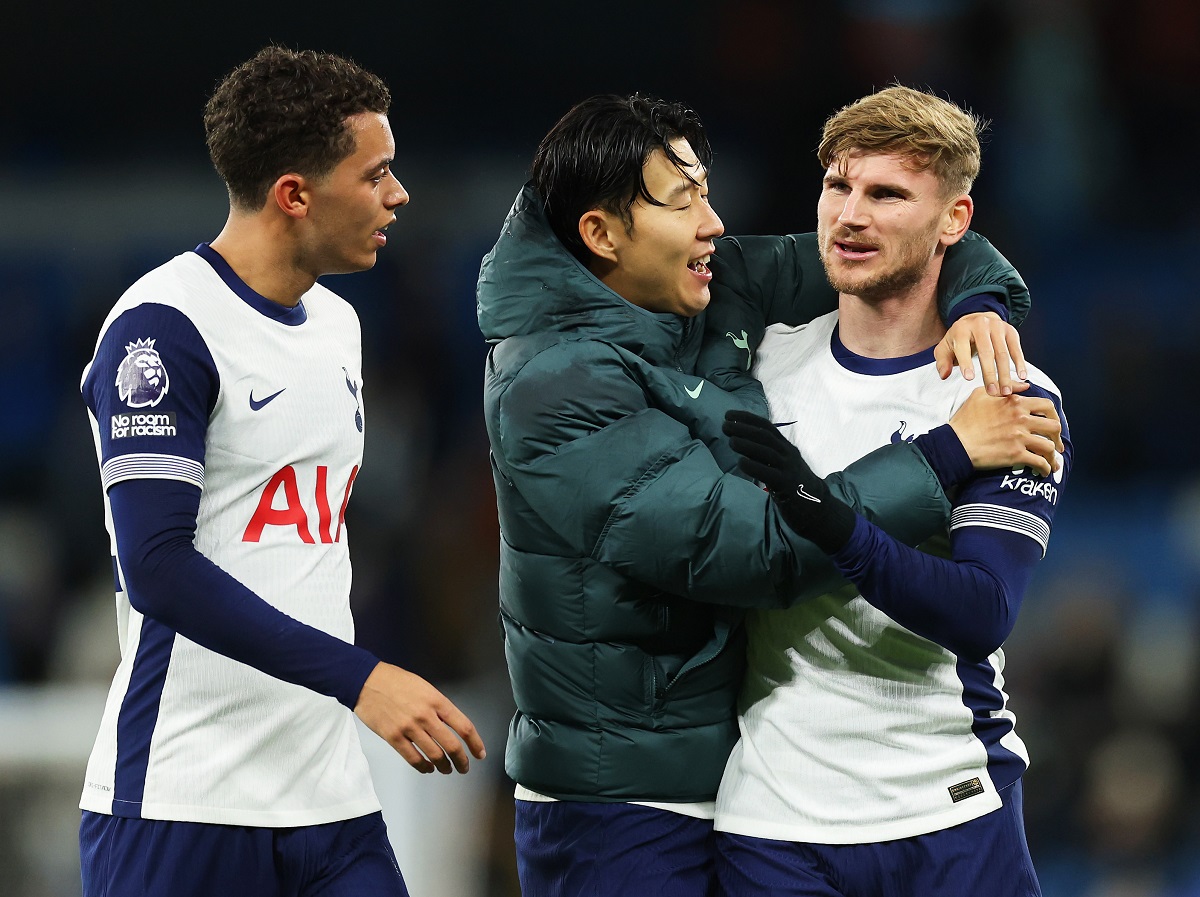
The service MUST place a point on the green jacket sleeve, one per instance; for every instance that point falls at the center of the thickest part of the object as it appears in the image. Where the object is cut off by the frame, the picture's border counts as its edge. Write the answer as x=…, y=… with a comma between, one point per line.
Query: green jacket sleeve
x=625, y=483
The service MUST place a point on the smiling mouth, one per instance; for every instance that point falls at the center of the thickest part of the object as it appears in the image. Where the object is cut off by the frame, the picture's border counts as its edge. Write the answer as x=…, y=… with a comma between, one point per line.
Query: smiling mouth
x=700, y=265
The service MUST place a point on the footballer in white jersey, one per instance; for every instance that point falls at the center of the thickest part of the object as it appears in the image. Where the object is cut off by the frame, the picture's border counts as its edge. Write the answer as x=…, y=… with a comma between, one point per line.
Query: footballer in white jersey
x=854, y=728
x=196, y=378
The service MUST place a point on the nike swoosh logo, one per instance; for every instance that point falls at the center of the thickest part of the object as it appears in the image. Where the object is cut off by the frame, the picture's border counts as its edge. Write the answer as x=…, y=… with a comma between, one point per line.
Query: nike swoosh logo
x=695, y=393
x=258, y=404
x=803, y=494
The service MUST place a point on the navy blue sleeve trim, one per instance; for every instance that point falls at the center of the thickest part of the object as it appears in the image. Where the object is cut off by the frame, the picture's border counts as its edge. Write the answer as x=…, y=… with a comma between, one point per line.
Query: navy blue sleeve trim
x=980, y=302
x=168, y=580
x=946, y=455
x=967, y=604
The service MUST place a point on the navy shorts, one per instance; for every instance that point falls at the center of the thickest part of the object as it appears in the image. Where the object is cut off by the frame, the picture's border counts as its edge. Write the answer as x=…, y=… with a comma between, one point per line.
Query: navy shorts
x=986, y=857
x=123, y=857
x=575, y=849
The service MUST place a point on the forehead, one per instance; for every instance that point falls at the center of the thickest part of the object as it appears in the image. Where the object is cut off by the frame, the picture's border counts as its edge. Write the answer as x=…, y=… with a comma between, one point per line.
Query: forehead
x=661, y=174
x=372, y=138
x=879, y=168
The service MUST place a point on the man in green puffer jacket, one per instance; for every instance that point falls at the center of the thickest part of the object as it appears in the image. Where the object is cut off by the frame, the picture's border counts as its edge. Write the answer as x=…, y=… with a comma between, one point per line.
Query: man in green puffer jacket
x=628, y=546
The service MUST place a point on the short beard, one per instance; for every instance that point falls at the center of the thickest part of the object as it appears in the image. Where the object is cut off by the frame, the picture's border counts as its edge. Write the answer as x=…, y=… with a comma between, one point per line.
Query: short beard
x=887, y=283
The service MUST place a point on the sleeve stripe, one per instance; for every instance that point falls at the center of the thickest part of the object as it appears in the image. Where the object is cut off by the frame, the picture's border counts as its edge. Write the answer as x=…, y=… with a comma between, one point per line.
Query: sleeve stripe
x=151, y=466
x=999, y=517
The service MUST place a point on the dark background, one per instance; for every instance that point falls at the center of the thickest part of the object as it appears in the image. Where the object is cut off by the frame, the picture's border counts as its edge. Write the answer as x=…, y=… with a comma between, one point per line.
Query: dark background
x=1086, y=186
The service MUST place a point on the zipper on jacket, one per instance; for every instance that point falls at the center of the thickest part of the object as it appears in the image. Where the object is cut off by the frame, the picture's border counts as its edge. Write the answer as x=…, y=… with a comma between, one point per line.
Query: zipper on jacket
x=687, y=329
x=687, y=671
x=660, y=693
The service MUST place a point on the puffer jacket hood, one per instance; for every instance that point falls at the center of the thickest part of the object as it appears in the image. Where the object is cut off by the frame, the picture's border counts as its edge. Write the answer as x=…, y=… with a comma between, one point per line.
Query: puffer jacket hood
x=530, y=284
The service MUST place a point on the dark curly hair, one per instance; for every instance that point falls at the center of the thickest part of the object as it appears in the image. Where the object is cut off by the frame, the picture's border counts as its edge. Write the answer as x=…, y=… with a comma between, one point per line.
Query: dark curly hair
x=593, y=158
x=285, y=110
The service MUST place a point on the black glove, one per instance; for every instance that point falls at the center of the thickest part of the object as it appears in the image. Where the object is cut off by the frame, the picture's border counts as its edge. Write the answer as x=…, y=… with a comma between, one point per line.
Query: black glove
x=803, y=499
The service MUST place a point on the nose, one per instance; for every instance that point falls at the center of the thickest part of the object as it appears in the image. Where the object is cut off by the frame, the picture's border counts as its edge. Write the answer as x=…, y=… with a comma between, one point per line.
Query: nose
x=711, y=227
x=397, y=196
x=853, y=213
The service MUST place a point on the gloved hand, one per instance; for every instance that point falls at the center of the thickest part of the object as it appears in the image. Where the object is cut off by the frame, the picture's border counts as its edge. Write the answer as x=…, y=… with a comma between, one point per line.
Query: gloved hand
x=804, y=501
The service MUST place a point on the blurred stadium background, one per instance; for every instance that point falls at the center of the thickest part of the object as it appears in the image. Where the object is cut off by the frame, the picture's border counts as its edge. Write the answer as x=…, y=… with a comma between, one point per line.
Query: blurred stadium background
x=103, y=175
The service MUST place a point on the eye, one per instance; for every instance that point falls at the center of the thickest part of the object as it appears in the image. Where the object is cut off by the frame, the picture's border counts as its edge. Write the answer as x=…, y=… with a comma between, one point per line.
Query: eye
x=697, y=193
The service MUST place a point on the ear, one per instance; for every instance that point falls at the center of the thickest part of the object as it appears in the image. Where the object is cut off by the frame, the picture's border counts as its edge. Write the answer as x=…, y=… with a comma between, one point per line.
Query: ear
x=290, y=194
x=957, y=219
x=601, y=233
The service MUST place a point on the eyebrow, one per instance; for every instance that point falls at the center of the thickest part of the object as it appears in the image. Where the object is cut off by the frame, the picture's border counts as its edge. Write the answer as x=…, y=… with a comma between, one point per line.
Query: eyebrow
x=381, y=163
x=881, y=185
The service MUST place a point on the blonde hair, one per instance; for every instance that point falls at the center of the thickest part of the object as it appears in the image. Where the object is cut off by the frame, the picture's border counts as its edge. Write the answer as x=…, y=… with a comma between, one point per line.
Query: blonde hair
x=930, y=132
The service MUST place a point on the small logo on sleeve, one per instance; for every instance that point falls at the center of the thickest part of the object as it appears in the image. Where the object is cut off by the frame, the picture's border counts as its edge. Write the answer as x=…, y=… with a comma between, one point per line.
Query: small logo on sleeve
x=963, y=790
x=141, y=376
x=743, y=343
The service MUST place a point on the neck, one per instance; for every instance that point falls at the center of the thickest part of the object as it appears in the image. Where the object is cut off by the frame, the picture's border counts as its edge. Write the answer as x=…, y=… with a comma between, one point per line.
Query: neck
x=259, y=250
x=900, y=323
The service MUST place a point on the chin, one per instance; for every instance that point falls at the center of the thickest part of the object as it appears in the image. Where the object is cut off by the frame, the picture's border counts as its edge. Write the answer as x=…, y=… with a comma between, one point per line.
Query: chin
x=362, y=263
x=847, y=282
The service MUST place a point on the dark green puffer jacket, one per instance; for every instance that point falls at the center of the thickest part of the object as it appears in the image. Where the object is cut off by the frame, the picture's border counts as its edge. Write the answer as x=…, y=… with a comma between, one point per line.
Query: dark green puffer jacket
x=626, y=548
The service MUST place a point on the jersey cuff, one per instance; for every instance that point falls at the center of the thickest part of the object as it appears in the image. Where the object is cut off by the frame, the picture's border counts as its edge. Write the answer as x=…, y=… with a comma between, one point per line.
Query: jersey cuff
x=977, y=302
x=151, y=466
x=946, y=455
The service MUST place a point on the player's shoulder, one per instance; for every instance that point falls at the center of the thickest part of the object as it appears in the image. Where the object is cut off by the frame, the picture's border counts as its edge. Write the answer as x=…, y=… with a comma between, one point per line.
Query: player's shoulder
x=328, y=309
x=783, y=343
x=320, y=295
x=818, y=327
x=589, y=376
x=161, y=293
x=1041, y=382
x=171, y=283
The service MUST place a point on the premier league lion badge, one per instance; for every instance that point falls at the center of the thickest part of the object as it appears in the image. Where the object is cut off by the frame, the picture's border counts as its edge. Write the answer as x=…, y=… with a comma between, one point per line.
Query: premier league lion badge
x=141, y=378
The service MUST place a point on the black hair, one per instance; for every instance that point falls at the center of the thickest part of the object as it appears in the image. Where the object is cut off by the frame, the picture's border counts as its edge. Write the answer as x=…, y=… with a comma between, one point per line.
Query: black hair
x=593, y=158
x=285, y=110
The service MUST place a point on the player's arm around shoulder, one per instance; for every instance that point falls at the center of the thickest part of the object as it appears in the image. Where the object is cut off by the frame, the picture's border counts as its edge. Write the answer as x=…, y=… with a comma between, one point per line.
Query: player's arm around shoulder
x=757, y=281
x=782, y=275
x=896, y=488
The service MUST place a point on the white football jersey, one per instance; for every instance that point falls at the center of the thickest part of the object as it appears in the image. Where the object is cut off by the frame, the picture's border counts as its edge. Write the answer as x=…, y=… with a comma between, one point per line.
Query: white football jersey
x=853, y=728
x=197, y=378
